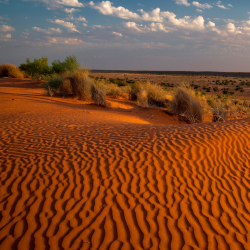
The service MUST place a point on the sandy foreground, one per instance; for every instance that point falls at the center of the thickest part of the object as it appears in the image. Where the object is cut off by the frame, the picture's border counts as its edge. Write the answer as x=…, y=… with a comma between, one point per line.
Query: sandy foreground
x=74, y=176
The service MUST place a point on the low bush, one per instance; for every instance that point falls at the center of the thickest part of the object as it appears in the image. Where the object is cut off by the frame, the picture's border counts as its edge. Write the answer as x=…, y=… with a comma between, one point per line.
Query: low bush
x=219, y=112
x=156, y=95
x=84, y=88
x=148, y=94
x=66, y=87
x=98, y=97
x=10, y=70
x=225, y=91
x=135, y=89
x=113, y=90
x=191, y=107
x=81, y=85
x=52, y=84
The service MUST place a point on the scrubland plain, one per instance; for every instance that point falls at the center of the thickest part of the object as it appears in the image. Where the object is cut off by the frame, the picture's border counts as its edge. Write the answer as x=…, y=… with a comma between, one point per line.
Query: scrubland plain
x=77, y=176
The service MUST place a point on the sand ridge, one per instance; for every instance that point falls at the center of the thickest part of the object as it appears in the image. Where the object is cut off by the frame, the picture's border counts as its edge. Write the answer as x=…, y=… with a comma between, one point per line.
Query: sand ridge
x=76, y=178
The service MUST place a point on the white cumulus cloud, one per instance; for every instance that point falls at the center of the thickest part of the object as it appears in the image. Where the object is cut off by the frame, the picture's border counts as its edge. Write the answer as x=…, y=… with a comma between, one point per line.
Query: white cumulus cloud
x=6, y=28
x=70, y=10
x=81, y=18
x=202, y=6
x=182, y=2
x=153, y=16
x=221, y=6
x=185, y=22
x=70, y=26
x=117, y=33
x=210, y=24
x=47, y=31
x=57, y=3
x=106, y=8
x=231, y=27
x=133, y=25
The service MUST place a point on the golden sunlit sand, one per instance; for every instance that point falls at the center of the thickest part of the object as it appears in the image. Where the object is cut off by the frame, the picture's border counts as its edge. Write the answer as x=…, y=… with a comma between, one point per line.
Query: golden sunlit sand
x=75, y=176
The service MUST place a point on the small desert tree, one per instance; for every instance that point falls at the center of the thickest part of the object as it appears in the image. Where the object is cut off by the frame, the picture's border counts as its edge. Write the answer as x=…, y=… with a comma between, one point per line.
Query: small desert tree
x=70, y=64
x=37, y=68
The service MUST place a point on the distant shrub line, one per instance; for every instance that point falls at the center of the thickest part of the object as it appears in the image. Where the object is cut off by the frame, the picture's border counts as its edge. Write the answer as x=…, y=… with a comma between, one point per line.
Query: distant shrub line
x=66, y=78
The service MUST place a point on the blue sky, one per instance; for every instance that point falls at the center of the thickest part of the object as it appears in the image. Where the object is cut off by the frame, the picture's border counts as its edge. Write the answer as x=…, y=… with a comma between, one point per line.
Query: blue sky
x=129, y=35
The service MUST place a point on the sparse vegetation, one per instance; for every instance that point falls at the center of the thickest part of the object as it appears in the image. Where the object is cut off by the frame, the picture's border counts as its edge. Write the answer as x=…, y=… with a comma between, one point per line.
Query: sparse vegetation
x=214, y=103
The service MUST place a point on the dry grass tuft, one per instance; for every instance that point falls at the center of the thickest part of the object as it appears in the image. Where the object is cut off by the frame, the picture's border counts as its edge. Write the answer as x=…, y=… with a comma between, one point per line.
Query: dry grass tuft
x=113, y=90
x=192, y=108
x=219, y=113
x=98, y=97
x=156, y=95
x=149, y=94
x=81, y=85
x=10, y=70
x=142, y=98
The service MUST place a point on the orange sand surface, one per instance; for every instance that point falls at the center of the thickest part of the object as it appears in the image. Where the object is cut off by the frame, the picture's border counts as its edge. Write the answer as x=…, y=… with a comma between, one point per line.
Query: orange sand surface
x=75, y=176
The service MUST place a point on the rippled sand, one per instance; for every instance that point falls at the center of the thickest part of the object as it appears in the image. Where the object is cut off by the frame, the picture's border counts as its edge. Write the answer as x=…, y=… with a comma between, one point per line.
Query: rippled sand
x=75, y=177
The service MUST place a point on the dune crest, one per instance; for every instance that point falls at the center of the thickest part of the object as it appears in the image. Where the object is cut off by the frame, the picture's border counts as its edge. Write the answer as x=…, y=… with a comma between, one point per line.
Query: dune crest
x=75, y=179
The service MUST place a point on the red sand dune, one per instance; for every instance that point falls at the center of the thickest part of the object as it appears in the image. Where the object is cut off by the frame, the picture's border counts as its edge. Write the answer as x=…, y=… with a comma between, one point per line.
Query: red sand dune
x=78, y=177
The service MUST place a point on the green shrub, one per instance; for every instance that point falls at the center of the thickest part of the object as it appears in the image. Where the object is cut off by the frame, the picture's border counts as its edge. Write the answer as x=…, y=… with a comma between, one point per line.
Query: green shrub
x=70, y=64
x=10, y=70
x=52, y=84
x=37, y=68
x=225, y=91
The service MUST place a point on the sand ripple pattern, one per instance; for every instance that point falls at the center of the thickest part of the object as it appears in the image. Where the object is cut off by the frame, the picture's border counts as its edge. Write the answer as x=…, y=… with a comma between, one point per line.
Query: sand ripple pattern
x=97, y=185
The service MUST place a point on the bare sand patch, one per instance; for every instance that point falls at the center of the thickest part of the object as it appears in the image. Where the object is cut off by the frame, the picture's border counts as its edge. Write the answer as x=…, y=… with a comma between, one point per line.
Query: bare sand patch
x=75, y=176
